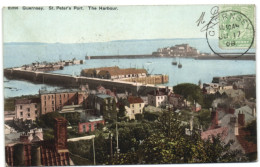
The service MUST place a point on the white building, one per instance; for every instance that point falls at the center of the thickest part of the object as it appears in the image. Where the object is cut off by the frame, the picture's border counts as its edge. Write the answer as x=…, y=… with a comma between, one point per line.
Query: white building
x=27, y=109
x=136, y=106
x=157, y=98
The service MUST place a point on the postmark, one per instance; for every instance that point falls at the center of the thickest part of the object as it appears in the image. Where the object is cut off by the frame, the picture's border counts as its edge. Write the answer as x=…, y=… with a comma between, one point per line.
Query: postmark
x=234, y=31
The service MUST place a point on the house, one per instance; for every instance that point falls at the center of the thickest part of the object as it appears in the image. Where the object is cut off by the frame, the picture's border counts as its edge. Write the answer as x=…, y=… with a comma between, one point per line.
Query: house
x=27, y=109
x=113, y=73
x=250, y=114
x=90, y=124
x=196, y=107
x=234, y=94
x=26, y=152
x=135, y=106
x=157, y=98
x=55, y=100
x=176, y=100
x=230, y=126
x=103, y=105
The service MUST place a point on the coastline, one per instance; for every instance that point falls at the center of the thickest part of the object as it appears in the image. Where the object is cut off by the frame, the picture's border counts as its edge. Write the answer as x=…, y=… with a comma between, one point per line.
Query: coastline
x=244, y=57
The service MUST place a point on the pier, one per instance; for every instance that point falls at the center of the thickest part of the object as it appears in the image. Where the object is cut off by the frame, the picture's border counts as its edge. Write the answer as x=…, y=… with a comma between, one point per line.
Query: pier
x=75, y=81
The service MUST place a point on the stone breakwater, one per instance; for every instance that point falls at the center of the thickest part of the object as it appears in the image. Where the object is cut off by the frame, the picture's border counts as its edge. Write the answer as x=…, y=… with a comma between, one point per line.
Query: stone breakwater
x=75, y=81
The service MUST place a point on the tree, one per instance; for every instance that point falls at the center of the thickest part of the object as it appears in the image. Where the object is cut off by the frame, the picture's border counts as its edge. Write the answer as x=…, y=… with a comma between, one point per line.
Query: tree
x=173, y=146
x=121, y=107
x=189, y=91
x=151, y=116
x=47, y=120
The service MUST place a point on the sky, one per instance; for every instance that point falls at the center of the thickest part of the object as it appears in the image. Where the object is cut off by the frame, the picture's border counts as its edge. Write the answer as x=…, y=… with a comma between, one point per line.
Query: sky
x=84, y=26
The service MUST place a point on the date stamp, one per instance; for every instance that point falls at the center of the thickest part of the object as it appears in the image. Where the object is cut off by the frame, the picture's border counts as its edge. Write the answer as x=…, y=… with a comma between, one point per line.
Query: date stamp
x=236, y=26
x=231, y=28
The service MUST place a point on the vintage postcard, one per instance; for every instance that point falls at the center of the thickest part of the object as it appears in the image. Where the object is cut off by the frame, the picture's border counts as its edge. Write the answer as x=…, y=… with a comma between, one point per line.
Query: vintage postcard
x=120, y=85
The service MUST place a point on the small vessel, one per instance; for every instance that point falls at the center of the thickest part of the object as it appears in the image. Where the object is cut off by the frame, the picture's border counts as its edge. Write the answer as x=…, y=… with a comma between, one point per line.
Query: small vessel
x=174, y=62
x=179, y=65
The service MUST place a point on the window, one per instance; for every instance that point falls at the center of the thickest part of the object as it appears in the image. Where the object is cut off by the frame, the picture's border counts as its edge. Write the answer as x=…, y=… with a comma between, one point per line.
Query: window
x=44, y=97
x=95, y=125
x=60, y=95
x=67, y=95
x=21, y=107
x=45, y=103
x=60, y=101
x=133, y=105
x=29, y=115
x=84, y=128
x=52, y=108
x=35, y=106
x=89, y=127
x=133, y=111
x=158, y=97
x=21, y=113
x=52, y=102
x=52, y=96
x=140, y=110
x=36, y=112
x=161, y=97
x=139, y=105
x=48, y=97
x=28, y=109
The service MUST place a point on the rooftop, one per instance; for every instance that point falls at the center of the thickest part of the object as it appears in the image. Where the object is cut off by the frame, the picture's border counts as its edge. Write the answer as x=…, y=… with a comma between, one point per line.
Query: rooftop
x=27, y=101
x=58, y=91
x=103, y=96
x=134, y=99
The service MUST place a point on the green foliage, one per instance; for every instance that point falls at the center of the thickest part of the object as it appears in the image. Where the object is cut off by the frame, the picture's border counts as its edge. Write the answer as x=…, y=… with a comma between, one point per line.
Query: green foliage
x=81, y=149
x=189, y=91
x=73, y=118
x=139, y=117
x=208, y=99
x=48, y=134
x=173, y=146
x=121, y=106
x=151, y=116
x=251, y=127
x=47, y=120
x=125, y=159
x=204, y=118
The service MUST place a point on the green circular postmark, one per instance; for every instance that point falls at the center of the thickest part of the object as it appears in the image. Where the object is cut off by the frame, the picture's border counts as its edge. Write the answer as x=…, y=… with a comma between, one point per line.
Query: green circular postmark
x=233, y=29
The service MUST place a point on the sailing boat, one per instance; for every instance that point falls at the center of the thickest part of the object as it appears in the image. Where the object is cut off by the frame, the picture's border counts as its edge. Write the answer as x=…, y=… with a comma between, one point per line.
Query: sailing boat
x=179, y=65
x=174, y=62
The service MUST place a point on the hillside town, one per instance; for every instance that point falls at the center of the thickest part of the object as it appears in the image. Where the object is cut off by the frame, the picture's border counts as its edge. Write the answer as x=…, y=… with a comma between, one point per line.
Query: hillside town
x=83, y=126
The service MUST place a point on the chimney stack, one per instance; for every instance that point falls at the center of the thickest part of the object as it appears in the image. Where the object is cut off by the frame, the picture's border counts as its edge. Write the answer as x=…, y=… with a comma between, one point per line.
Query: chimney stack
x=241, y=119
x=60, y=134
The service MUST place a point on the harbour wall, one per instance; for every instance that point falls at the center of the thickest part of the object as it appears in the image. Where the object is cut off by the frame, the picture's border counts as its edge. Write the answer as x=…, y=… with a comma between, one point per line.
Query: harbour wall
x=75, y=81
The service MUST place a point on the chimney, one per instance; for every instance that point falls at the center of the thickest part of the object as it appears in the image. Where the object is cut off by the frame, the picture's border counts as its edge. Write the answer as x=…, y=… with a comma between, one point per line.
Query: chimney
x=214, y=118
x=60, y=134
x=241, y=119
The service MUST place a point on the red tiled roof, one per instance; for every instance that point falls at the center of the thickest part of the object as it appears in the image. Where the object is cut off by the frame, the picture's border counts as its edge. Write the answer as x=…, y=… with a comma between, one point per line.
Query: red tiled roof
x=222, y=131
x=134, y=99
x=51, y=157
x=249, y=147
